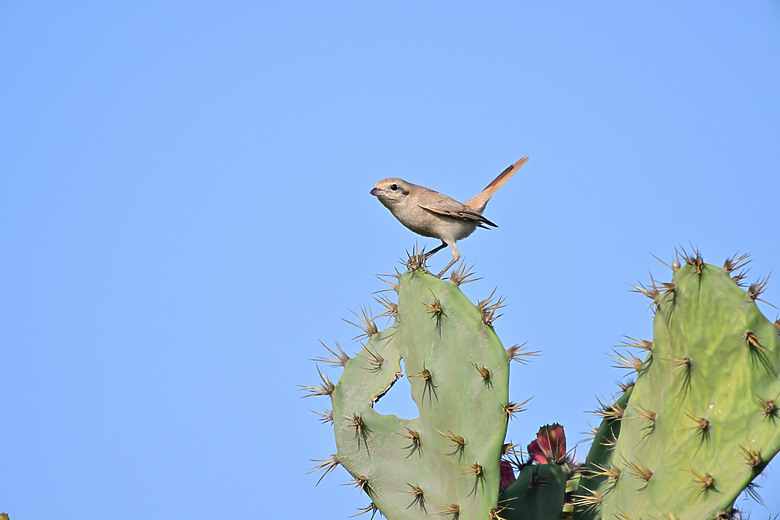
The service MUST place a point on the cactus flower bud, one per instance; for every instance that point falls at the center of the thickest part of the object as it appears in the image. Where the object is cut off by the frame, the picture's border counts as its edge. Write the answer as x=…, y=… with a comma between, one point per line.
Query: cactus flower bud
x=549, y=446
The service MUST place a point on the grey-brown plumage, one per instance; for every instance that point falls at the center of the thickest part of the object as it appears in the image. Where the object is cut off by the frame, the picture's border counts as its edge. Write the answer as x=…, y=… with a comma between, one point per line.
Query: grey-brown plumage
x=432, y=214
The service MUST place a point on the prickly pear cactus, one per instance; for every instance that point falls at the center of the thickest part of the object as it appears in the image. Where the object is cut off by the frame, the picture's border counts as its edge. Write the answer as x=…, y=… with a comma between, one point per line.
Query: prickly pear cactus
x=446, y=461
x=538, y=494
x=682, y=441
x=702, y=419
x=600, y=473
x=545, y=482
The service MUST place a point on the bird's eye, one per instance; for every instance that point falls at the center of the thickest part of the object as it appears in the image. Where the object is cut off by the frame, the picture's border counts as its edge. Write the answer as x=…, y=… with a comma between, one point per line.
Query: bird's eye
x=394, y=187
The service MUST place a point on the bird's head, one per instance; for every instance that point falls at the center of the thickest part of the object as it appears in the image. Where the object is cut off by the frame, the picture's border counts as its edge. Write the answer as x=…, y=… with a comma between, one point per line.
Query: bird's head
x=391, y=191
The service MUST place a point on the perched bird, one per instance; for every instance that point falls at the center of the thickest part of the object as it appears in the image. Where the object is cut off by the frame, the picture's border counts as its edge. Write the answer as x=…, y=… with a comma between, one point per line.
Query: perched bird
x=431, y=214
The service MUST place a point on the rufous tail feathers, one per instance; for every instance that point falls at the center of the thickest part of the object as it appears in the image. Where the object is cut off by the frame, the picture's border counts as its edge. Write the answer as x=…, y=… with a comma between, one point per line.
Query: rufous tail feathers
x=479, y=202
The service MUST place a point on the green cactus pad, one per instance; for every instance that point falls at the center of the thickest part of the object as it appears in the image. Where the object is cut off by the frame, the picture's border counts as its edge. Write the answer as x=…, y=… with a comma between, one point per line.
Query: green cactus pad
x=598, y=473
x=702, y=421
x=446, y=461
x=538, y=493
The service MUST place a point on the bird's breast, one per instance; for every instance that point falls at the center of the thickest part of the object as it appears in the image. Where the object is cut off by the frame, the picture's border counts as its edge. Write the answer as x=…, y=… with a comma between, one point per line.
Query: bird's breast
x=430, y=224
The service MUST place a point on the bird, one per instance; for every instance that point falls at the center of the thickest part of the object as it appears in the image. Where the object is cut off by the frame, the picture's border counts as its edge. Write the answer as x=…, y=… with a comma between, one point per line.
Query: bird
x=432, y=214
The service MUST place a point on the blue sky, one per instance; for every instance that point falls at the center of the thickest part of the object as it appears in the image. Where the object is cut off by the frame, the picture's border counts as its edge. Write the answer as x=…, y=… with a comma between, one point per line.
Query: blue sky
x=185, y=214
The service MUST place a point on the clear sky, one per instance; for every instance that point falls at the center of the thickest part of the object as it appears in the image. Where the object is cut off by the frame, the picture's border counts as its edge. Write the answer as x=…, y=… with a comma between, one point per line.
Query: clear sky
x=184, y=215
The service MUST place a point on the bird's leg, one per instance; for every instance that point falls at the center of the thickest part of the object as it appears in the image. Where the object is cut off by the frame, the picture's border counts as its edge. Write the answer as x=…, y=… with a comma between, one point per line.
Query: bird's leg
x=435, y=250
x=455, y=258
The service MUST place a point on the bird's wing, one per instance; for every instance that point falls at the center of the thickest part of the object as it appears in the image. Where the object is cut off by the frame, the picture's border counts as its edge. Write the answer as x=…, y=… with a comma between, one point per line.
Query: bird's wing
x=454, y=209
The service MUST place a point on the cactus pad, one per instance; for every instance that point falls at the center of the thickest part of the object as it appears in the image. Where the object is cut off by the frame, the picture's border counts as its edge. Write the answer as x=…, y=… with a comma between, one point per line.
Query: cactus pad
x=446, y=461
x=702, y=421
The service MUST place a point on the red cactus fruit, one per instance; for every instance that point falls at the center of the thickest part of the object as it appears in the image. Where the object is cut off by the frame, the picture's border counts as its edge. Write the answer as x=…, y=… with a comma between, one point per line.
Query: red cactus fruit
x=549, y=446
x=507, y=475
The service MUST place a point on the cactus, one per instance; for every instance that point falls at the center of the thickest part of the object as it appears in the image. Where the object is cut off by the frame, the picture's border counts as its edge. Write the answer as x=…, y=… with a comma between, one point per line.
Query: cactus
x=600, y=474
x=540, y=490
x=446, y=461
x=538, y=493
x=701, y=421
x=682, y=441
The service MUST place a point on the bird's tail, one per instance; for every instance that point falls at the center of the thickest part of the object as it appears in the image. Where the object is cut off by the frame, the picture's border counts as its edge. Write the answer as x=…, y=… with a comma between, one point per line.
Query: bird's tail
x=479, y=202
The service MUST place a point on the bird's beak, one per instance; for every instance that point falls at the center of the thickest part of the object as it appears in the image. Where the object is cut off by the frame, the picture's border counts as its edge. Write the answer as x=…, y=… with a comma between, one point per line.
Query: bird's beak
x=376, y=192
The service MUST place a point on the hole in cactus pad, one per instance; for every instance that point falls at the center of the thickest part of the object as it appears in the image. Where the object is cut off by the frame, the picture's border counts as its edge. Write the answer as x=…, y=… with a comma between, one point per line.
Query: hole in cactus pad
x=398, y=399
